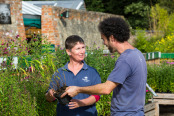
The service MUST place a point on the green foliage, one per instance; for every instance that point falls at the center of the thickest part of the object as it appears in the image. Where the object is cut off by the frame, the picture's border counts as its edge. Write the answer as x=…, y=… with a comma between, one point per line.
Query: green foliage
x=26, y=85
x=135, y=11
x=95, y=5
x=160, y=77
x=138, y=14
x=166, y=44
x=103, y=105
x=35, y=45
x=61, y=56
x=22, y=90
x=170, y=26
x=146, y=43
x=167, y=4
x=105, y=63
x=148, y=96
x=14, y=97
x=141, y=42
x=160, y=19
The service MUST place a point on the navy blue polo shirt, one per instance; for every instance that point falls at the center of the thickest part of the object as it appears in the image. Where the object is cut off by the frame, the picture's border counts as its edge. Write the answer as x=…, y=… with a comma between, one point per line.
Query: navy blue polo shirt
x=87, y=76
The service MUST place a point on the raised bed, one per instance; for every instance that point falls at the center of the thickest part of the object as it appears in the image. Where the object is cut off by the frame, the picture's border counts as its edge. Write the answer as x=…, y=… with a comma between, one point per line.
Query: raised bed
x=166, y=103
x=164, y=98
x=151, y=109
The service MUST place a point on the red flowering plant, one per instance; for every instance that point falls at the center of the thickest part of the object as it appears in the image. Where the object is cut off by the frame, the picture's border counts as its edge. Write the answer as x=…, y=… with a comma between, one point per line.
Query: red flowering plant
x=149, y=93
x=148, y=96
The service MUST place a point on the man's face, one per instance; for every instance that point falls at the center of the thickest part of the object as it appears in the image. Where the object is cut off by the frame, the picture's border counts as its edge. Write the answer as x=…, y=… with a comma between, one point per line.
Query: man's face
x=107, y=43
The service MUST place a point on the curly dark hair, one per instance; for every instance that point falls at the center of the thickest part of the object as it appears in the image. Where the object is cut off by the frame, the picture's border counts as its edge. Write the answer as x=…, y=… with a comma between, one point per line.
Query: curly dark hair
x=115, y=26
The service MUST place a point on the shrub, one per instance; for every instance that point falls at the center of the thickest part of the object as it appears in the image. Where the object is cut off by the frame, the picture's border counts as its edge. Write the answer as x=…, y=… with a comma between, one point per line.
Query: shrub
x=22, y=90
x=165, y=45
x=160, y=77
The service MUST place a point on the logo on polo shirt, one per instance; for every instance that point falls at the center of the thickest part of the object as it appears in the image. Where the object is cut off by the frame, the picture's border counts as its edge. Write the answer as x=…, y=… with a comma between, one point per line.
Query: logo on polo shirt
x=85, y=79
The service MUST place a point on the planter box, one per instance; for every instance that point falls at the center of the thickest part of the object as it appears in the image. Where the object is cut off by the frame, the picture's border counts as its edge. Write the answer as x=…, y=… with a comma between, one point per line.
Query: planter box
x=151, y=109
x=164, y=98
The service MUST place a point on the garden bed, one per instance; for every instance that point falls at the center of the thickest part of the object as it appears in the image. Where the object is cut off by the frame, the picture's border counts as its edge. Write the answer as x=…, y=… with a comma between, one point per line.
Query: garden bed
x=151, y=109
x=164, y=98
x=166, y=103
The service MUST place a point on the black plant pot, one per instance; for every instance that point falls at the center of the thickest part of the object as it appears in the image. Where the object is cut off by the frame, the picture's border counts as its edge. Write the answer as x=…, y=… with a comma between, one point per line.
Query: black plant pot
x=65, y=100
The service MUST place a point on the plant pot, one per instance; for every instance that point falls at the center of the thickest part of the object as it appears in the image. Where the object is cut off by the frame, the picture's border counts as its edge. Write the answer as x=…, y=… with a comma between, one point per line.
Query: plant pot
x=65, y=100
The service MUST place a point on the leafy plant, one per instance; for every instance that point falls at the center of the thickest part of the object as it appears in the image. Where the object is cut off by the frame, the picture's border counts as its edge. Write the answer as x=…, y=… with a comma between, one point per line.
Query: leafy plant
x=138, y=14
x=148, y=96
x=160, y=19
x=165, y=45
x=160, y=77
x=22, y=89
x=141, y=42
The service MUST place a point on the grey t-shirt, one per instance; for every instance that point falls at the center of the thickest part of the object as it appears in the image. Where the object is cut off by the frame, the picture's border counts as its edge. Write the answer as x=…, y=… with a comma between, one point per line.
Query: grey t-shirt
x=130, y=72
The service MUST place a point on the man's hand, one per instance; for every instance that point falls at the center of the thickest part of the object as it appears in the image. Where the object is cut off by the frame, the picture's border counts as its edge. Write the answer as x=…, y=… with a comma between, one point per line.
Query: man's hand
x=71, y=91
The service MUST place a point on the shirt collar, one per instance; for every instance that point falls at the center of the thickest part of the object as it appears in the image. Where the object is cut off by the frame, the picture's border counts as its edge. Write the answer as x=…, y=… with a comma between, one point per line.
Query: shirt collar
x=85, y=66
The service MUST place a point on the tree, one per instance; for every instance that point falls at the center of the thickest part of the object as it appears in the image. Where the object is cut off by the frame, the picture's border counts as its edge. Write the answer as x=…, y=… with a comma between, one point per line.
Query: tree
x=167, y=4
x=135, y=11
x=95, y=5
x=138, y=14
x=160, y=19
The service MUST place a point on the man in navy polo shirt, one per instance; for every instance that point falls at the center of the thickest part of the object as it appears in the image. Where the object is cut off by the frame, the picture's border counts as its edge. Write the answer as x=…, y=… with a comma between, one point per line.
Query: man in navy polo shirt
x=75, y=73
x=128, y=78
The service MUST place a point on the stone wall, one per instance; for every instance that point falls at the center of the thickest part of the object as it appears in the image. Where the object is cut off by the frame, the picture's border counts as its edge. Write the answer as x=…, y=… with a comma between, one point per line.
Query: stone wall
x=17, y=26
x=85, y=24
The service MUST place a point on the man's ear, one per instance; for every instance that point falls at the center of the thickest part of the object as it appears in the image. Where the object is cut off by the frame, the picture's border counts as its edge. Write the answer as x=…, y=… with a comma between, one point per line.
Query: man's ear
x=111, y=38
x=68, y=52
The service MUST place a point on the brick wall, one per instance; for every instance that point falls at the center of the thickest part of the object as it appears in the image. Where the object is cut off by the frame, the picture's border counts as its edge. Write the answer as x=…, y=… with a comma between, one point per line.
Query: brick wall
x=85, y=24
x=54, y=27
x=17, y=26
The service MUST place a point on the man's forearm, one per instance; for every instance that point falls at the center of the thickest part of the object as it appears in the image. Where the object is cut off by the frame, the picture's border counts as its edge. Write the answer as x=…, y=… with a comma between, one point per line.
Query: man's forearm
x=99, y=89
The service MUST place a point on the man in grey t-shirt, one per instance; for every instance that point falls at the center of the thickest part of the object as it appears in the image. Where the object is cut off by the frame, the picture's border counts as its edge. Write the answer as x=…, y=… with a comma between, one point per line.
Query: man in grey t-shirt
x=130, y=72
x=128, y=78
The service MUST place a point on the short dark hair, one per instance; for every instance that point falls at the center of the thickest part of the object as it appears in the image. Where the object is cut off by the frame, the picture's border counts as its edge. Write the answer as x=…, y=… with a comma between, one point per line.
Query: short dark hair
x=115, y=26
x=72, y=40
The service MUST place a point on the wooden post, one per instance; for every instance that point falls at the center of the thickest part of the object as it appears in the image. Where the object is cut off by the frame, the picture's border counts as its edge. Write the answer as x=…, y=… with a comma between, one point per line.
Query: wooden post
x=151, y=109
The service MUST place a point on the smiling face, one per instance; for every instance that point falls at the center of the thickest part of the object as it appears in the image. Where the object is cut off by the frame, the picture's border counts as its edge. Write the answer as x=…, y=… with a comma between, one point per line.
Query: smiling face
x=109, y=43
x=77, y=53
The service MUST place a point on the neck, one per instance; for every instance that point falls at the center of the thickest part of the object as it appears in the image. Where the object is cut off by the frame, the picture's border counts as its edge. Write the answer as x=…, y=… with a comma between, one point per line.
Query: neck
x=124, y=46
x=74, y=66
